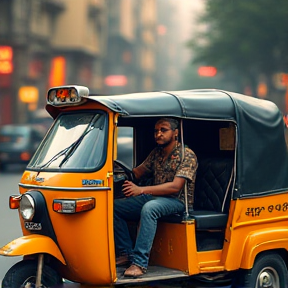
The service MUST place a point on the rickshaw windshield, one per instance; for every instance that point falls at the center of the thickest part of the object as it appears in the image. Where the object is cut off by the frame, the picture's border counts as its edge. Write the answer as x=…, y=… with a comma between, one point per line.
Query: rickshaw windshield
x=76, y=141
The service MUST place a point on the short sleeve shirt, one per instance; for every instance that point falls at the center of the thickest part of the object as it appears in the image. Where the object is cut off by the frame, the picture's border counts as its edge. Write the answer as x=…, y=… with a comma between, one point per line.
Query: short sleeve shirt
x=165, y=170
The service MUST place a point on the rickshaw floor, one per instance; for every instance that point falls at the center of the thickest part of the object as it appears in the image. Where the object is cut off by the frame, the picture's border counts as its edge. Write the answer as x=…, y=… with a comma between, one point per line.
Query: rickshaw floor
x=154, y=273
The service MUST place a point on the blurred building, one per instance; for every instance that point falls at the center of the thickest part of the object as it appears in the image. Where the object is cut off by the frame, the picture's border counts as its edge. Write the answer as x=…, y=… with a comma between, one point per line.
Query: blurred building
x=173, y=31
x=130, y=65
x=110, y=46
x=49, y=42
x=146, y=44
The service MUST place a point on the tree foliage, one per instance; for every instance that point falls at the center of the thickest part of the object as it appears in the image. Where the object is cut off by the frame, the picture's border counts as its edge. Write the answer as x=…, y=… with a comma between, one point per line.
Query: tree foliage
x=245, y=37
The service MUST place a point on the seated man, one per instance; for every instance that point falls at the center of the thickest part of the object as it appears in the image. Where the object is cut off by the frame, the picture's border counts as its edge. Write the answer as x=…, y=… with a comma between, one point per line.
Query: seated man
x=148, y=203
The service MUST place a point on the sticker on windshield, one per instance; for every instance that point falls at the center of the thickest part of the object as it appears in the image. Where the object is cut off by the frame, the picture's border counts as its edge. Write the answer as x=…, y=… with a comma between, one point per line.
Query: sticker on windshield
x=92, y=182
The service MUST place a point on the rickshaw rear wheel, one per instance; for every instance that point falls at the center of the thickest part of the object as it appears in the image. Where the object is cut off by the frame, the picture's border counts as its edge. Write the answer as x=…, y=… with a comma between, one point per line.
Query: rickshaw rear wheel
x=269, y=271
x=23, y=274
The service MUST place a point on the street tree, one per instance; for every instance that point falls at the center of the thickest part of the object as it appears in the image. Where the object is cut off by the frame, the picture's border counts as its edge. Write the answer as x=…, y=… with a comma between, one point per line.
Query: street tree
x=244, y=39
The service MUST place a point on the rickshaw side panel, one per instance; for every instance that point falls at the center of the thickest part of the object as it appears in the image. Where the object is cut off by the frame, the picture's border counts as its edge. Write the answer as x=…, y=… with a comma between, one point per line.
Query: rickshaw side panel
x=258, y=224
x=175, y=247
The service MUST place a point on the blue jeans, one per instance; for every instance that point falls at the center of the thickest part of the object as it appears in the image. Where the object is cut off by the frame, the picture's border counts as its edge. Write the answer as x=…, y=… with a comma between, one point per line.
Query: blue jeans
x=147, y=209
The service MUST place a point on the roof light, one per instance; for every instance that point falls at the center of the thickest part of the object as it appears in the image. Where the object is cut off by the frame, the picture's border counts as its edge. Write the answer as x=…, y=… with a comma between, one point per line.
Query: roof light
x=67, y=95
x=70, y=206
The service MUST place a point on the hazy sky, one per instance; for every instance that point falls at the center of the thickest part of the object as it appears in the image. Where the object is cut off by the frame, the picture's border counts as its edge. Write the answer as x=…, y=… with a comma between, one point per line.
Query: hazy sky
x=189, y=10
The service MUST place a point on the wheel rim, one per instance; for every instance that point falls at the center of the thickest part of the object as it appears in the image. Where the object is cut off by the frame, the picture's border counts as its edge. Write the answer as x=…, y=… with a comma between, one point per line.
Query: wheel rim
x=268, y=278
x=30, y=282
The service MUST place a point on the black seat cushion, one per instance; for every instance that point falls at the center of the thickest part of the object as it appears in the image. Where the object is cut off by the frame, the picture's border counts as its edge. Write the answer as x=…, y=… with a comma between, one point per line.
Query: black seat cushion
x=203, y=219
x=209, y=219
x=213, y=176
x=212, y=180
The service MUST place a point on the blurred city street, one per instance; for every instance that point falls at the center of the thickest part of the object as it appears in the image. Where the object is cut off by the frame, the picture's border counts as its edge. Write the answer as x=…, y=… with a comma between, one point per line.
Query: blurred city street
x=62, y=60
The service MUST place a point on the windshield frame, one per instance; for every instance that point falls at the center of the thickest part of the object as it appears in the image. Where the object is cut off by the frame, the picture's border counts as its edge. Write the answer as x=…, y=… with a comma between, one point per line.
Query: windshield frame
x=31, y=165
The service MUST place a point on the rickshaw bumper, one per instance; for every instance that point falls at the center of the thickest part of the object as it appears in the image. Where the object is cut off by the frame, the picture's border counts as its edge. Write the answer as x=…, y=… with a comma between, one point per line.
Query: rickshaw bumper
x=32, y=244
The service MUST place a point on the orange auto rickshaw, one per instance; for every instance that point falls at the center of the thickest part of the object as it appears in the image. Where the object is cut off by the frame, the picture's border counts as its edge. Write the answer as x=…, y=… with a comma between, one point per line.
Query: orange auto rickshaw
x=237, y=228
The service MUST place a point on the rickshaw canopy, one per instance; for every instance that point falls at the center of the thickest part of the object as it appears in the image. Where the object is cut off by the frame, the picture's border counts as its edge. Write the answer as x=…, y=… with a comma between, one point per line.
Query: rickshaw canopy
x=261, y=151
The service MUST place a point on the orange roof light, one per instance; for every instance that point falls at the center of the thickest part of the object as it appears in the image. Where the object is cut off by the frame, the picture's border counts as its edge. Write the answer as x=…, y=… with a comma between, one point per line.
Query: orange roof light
x=67, y=95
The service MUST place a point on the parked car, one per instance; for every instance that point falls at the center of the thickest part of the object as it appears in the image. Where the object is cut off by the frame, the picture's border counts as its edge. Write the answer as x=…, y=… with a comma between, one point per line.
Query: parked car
x=18, y=143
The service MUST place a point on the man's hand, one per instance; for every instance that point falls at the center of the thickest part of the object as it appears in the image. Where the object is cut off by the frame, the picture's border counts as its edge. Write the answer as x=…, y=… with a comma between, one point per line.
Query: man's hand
x=131, y=189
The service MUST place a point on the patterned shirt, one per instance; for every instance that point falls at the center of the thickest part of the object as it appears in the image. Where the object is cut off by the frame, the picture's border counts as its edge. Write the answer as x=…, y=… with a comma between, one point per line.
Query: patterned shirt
x=165, y=171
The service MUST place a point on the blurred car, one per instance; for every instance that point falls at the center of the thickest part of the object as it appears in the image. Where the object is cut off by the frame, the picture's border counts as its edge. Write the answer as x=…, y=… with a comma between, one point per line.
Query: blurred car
x=18, y=143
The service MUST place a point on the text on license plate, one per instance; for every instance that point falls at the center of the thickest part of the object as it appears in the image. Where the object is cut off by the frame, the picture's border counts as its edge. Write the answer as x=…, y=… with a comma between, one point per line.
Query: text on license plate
x=33, y=226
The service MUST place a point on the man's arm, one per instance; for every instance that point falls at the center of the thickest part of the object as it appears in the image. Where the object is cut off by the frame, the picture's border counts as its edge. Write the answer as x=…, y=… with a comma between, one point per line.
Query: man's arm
x=139, y=171
x=168, y=188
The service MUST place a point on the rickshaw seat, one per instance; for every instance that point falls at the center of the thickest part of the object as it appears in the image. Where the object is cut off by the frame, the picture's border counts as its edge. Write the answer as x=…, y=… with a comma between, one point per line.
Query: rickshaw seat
x=206, y=220
x=212, y=190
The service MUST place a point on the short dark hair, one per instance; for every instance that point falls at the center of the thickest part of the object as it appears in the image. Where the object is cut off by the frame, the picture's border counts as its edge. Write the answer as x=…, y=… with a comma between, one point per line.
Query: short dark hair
x=173, y=122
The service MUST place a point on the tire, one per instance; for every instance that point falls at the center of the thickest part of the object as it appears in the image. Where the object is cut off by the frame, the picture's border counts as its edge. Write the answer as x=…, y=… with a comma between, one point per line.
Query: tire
x=24, y=272
x=269, y=271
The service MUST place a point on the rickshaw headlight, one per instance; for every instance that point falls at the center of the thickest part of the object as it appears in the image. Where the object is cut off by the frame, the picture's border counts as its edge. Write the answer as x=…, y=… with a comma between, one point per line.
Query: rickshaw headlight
x=27, y=207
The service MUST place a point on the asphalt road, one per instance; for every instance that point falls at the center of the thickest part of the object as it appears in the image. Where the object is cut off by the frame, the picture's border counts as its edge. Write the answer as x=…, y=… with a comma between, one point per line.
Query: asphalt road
x=9, y=223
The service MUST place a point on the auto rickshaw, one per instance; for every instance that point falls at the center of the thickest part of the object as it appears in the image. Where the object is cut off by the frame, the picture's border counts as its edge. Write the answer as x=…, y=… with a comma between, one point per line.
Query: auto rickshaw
x=237, y=227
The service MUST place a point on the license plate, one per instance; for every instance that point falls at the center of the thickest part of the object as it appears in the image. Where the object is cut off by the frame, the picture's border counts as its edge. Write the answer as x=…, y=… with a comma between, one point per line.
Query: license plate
x=33, y=226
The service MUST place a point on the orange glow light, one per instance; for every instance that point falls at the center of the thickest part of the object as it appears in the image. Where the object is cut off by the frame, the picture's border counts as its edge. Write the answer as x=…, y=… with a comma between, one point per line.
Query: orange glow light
x=116, y=80
x=207, y=71
x=6, y=53
x=57, y=72
x=6, y=67
x=25, y=156
x=6, y=57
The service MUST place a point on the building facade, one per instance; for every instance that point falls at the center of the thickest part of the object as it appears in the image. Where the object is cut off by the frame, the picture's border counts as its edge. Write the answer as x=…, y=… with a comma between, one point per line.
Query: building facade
x=111, y=46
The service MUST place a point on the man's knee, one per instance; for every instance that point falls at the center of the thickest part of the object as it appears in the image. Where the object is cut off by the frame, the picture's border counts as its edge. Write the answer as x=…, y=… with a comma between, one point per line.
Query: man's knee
x=151, y=208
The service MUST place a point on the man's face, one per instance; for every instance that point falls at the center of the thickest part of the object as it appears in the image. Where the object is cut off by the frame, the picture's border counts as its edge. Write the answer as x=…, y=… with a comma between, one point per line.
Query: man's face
x=163, y=134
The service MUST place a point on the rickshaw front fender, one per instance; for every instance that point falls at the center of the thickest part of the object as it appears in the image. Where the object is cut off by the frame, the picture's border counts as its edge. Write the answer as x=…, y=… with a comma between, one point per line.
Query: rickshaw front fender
x=263, y=240
x=32, y=244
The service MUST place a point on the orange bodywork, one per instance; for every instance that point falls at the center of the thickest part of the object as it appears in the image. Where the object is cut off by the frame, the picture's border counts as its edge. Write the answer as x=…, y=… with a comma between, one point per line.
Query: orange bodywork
x=85, y=239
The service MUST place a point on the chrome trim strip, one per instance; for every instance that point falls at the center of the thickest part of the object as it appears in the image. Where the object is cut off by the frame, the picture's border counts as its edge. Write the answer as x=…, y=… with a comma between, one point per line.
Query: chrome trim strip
x=94, y=188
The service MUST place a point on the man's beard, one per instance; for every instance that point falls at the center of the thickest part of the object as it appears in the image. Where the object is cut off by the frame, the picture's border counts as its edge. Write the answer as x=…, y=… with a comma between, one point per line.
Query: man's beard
x=163, y=145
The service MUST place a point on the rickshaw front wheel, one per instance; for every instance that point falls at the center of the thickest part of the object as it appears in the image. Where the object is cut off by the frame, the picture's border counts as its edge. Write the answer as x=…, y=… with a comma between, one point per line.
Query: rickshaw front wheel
x=269, y=271
x=23, y=274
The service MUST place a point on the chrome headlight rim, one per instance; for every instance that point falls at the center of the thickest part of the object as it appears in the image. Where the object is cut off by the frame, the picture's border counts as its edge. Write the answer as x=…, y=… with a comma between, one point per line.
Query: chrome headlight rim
x=27, y=207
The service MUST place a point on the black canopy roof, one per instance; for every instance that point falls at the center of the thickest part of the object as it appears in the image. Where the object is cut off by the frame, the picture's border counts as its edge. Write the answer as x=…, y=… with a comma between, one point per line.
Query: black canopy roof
x=262, y=165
